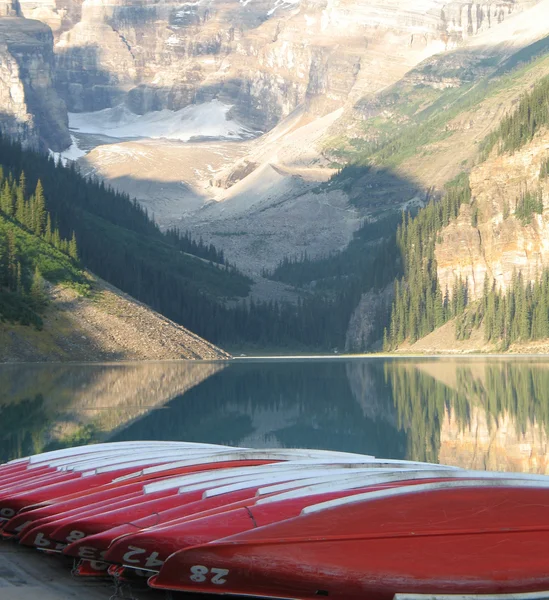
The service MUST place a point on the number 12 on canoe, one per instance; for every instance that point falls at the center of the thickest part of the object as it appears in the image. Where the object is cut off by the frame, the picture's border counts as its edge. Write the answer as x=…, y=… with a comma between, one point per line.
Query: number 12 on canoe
x=199, y=574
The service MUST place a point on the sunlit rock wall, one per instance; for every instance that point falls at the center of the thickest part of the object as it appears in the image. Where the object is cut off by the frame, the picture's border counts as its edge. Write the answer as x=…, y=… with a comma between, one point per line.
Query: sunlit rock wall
x=500, y=244
x=264, y=56
x=30, y=108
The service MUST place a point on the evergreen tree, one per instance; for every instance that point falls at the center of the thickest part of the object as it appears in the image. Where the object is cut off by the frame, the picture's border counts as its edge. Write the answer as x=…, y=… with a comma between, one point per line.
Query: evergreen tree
x=37, y=291
x=4, y=261
x=6, y=199
x=418, y=306
x=20, y=207
x=48, y=234
x=39, y=216
x=73, y=249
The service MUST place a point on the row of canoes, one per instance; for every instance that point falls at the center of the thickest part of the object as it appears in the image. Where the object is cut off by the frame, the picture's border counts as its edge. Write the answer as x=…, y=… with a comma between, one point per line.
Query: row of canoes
x=281, y=523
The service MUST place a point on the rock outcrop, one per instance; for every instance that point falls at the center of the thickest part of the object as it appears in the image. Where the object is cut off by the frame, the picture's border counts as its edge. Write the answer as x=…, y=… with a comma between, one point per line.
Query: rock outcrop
x=499, y=244
x=298, y=68
x=8, y=8
x=30, y=108
x=364, y=330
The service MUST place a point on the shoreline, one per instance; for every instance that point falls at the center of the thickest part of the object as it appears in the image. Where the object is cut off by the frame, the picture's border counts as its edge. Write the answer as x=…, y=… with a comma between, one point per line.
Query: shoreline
x=27, y=574
x=287, y=357
x=394, y=356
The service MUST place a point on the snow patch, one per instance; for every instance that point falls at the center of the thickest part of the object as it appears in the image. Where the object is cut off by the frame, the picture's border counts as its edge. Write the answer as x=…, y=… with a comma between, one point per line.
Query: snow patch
x=197, y=120
x=276, y=4
x=71, y=154
x=283, y=4
x=185, y=11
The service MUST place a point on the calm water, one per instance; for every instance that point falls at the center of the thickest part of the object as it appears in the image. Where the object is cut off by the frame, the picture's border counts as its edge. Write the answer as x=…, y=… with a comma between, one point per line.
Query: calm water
x=482, y=413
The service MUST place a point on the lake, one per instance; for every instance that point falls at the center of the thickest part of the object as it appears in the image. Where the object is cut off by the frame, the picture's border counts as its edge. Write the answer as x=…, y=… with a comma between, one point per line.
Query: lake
x=485, y=413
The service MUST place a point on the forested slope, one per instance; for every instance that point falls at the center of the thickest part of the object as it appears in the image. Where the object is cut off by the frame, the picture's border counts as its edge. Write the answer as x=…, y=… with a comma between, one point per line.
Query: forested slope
x=31, y=251
x=52, y=309
x=509, y=299
x=414, y=145
x=185, y=280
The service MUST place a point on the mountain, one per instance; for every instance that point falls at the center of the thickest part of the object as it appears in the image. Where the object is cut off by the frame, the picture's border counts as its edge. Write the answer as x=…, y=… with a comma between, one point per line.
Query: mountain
x=478, y=257
x=53, y=310
x=264, y=57
x=289, y=135
x=310, y=75
x=104, y=324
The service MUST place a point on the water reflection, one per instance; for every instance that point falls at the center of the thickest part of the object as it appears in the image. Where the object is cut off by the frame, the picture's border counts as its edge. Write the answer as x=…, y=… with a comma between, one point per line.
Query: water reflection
x=478, y=413
x=47, y=406
x=288, y=404
x=482, y=414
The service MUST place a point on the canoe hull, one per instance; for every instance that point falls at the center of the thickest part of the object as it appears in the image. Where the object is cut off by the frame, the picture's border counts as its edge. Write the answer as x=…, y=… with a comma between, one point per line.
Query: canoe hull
x=378, y=569
x=459, y=540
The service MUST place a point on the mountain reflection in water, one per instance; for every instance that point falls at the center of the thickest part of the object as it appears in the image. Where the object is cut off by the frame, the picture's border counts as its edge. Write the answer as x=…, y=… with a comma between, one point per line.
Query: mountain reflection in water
x=476, y=413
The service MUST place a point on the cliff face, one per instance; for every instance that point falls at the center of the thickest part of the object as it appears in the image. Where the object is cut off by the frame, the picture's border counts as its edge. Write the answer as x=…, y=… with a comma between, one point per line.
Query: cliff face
x=8, y=8
x=500, y=243
x=30, y=109
x=265, y=57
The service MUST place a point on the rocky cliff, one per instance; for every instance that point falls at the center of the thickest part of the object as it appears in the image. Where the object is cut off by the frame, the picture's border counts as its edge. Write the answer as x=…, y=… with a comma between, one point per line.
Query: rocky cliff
x=496, y=242
x=311, y=69
x=264, y=56
x=30, y=109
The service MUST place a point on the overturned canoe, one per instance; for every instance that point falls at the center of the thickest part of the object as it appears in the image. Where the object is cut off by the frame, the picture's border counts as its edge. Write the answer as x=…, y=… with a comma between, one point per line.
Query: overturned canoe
x=280, y=523
x=460, y=536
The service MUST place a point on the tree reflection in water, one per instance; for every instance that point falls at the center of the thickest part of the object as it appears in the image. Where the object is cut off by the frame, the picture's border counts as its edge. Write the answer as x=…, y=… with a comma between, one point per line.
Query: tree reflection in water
x=474, y=413
x=480, y=413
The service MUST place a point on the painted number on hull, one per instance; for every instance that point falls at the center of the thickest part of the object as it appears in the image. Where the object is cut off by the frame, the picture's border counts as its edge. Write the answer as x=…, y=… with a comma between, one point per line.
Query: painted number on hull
x=217, y=576
x=151, y=562
x=41, y=541
x=74, y=536
x=90, y=553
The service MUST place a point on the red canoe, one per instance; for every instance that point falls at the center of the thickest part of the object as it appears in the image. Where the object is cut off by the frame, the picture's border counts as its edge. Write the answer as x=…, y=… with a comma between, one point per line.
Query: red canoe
x=470, y=537
x=31, y=492
x=215, y=501
x=117, y=491
x=75, y=483
x=149, y=549
x=187, y=505
x=159, y=541
x=169, y=504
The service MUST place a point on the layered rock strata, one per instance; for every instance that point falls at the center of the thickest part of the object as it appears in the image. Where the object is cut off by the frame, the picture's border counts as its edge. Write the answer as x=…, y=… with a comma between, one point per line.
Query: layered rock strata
x=30, y=108
x=500, y=243
x=266, y=57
